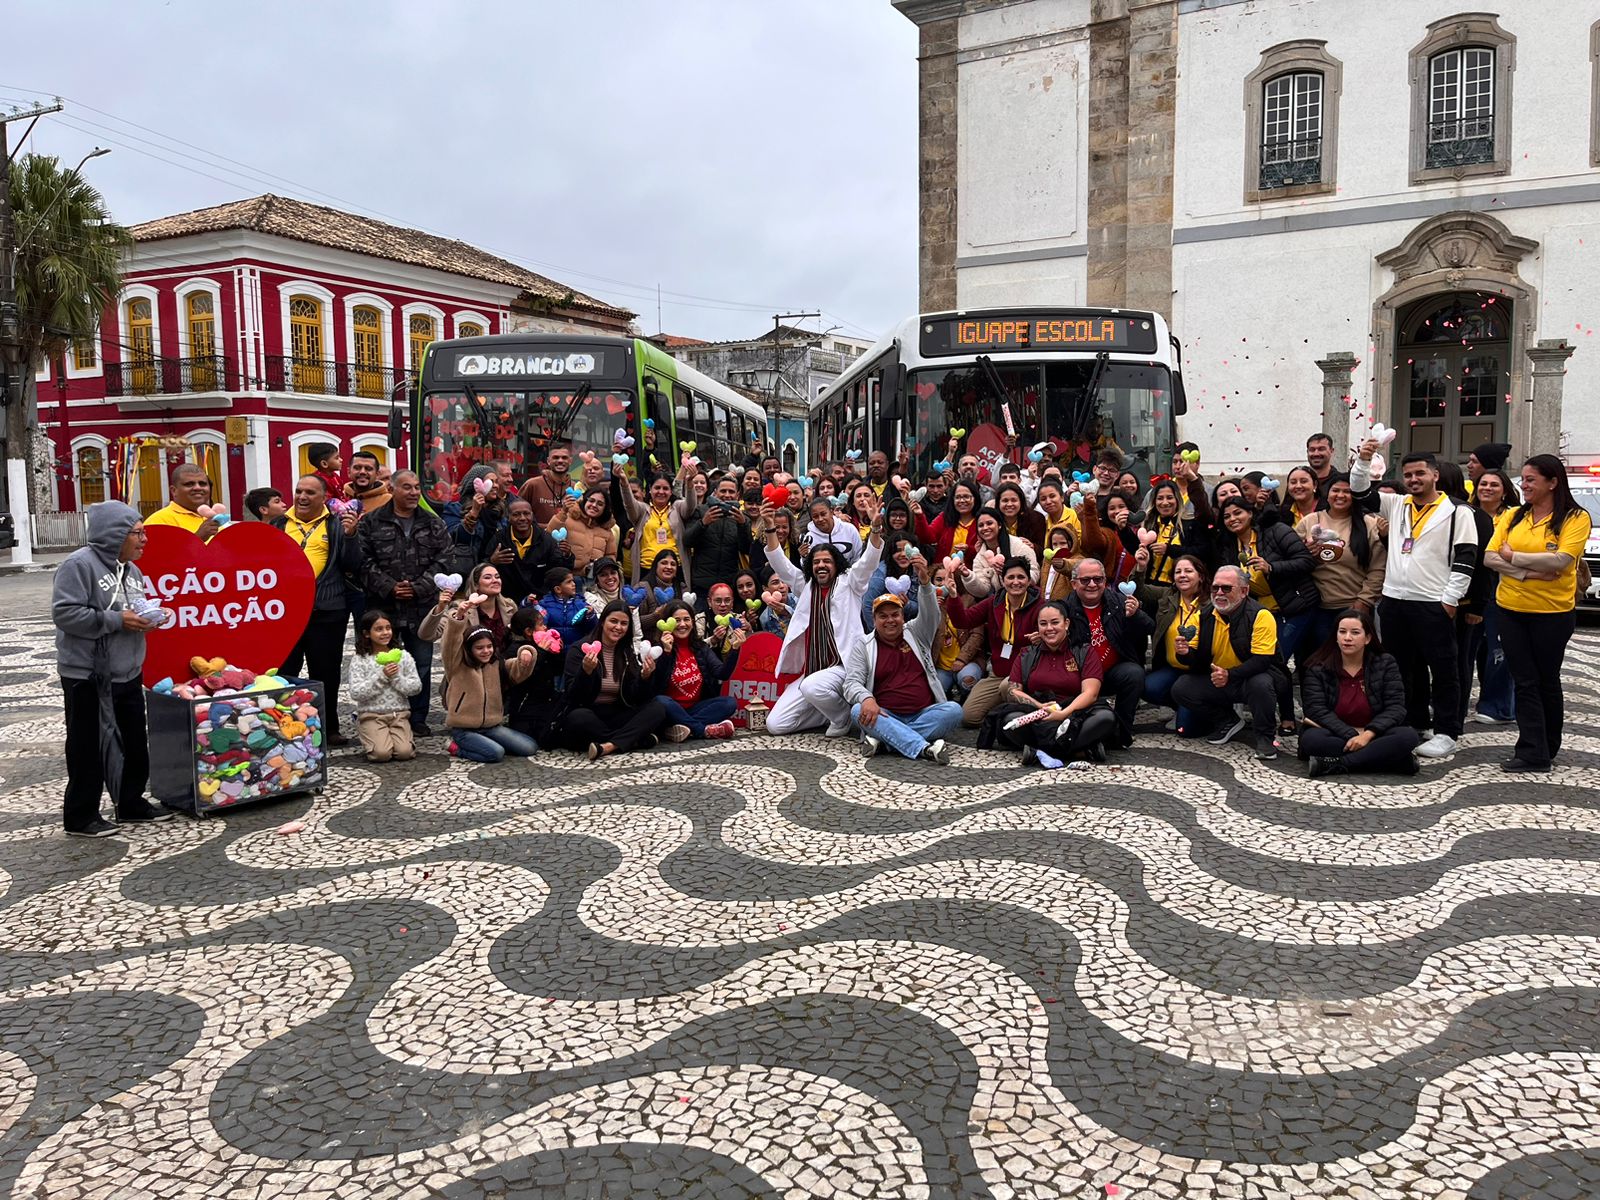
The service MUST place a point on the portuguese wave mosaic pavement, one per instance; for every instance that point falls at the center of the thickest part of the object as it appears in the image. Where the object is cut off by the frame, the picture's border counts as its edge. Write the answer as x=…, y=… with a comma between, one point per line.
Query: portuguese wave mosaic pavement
x=772, y=969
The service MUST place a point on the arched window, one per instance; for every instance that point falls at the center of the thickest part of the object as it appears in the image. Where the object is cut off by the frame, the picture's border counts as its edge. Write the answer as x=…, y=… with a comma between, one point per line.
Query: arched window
x=1291, y=104
x=305, y=344
x=367, y=324
x=1461, y=99
x=142, y=345
x=91, y=469
x=422, y=332
x=202, y=320
x=468, y=329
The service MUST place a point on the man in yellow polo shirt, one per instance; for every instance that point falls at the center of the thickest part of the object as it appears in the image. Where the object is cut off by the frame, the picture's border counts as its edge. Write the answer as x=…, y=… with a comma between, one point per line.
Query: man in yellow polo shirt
x=1234, y=659
x=330, y=545
x=191, y=488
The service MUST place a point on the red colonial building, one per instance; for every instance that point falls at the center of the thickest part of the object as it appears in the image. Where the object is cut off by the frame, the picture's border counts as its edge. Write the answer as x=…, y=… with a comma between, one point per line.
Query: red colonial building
x=247, y=332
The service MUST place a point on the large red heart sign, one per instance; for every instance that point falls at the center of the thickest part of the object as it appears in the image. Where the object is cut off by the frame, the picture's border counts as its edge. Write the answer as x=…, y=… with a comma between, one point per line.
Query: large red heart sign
x=245, y=596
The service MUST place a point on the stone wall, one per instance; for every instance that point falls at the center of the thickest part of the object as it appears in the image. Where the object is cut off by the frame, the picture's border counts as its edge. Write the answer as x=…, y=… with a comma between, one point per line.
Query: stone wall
x=936, y=122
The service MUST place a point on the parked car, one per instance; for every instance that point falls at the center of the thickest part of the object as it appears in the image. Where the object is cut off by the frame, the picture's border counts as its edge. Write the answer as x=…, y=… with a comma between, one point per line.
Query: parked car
x=1586, y=490
x=8, y=532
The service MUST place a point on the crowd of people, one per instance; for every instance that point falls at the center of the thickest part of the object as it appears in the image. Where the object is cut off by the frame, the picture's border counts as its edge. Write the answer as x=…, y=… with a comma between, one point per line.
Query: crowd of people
x=1346, y=614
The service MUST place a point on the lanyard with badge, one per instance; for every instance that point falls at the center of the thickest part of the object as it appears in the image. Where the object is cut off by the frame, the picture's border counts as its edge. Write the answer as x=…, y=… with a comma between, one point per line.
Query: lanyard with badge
x=1416, y=518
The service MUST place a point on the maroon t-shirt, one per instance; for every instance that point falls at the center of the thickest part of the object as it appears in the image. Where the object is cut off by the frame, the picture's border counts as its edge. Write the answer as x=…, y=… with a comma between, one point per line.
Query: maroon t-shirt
x=899, y=684
x=1055, y=676
x=1353, y=707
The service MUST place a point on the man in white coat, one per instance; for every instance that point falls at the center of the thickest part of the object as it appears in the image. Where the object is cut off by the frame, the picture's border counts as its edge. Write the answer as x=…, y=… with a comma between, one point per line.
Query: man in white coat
x=824, y=629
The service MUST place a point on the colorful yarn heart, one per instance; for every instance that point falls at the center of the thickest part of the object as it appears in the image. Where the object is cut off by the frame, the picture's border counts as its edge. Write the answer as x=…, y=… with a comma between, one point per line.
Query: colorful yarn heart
x=547, y=639
x=1147, y=537
x=634, y=596
x=752, y=604
x=723, y=619
x=940, y=467
x=652, y=652
x=688, y=447
x=591, y=648
x=1190, y=456
x=385, y=657
x=852, y=455
x=620, y=460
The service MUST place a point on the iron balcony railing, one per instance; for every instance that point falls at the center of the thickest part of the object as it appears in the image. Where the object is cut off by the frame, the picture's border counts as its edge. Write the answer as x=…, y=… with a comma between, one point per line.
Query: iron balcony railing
x=282, y=373
x=1289, y=164
x=1462, y=143
x=311, y=377
x=171, y=376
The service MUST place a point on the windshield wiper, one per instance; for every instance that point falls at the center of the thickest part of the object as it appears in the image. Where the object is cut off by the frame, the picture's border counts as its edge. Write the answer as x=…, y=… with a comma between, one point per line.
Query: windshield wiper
x=992, y=376
x=1089, y=401
x=479, y=411
x=563, y=421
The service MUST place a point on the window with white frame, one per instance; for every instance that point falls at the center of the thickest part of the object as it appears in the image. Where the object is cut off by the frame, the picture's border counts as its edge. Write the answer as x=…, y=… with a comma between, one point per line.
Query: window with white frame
x=1291, y=130
x=1291, y=104
x=1461, y=75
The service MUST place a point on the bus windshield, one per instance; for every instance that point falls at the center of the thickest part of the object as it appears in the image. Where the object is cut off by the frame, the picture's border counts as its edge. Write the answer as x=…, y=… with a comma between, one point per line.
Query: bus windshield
x=513, y=426
x=1130, y=412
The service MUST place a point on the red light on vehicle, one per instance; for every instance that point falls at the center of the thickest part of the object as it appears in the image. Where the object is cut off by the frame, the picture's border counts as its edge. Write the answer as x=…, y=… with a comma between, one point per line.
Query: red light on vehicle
x=1594, y=468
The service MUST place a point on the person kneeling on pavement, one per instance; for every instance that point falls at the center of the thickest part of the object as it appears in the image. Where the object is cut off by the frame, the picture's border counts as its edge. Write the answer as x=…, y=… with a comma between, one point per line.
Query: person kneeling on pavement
x=1233, y=660
x=889, y=682
x=1355, y=703
x=1052, y=711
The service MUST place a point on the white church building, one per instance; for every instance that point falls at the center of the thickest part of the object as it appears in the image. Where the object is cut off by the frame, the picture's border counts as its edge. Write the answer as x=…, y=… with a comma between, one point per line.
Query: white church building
x=1350, y=210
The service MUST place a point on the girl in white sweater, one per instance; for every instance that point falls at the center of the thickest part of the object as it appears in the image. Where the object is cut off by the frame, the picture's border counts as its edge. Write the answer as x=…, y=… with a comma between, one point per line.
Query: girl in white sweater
x=383, y=678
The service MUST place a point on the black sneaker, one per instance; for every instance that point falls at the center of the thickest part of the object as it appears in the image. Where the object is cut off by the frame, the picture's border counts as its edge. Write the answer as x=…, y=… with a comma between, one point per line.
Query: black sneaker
x=337, y=741
x=97, y=828
x=1520, y=766
x=423, y=730
x=1227, y=733
x=1266, y=749
x=1317, y=767
x=146, y=814
x=1030, y=756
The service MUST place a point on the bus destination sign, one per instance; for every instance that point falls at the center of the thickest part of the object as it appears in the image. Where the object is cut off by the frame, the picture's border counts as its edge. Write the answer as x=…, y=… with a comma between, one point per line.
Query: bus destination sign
x=533, y=362
x=1049, y=331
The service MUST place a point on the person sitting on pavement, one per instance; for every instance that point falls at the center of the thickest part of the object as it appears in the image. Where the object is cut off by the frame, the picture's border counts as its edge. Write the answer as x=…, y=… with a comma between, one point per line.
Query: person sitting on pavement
x=889, y=681
x=1114, y=631
x=1355, y=703
x=1234, y=660
x=690, y=675
x=1063, y=683
x=825, y=627
x=1008, y=616
x=612, y=707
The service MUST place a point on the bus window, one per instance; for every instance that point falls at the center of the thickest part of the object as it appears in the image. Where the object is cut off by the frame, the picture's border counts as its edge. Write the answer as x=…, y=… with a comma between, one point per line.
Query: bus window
x=702, y=416
x=1132, y=415
x=719, y=429
x=963, y=397
x=680, y=410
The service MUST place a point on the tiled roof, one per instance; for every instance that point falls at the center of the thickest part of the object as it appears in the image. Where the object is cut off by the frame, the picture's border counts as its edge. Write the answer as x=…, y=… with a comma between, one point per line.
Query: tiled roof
x=671, y=341
x=361, y=235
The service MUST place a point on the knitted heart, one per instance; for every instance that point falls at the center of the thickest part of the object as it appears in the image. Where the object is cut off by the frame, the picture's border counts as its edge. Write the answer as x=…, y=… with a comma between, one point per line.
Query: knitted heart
x=590, y=648
x=951, y=562
x=1077, y=500
x=652, y=652
x=622, y=441
x=634, y=596
x=576, y=493
x=898, y=586
x=1383, y=434
x=958, y=432
x=585, y=456
x=852, y=455
x=1081, y=476
x=1190, y=456
x=783, y=479
x=919, y=495
x=996, y=560
x=1092, y=488
x=386, y=657
x=620, y=460
x=838, y=501
x=1127, y=587
x=483, y=485
x=663, y=594
x=1270, y=484
x=940, y=467
x=447, y=583
x=1147, y=537
x=476, y=598
x=207, y=666
x=899, y=482
x=775, y=495
x=688, y=447
x=649, y=424
x=752, y=604
x=558, y=535
x=770, y=599
x=723, y=619
x=690, y=597
x=1187, y=631
x=667, y=626
x=547, y=639
x=1035, y=455
x=1049, y=553
x=913, y=552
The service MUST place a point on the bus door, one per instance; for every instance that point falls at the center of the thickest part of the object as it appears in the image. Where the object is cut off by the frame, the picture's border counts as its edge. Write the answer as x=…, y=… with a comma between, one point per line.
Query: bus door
x=887, y=401
x=1180, y=398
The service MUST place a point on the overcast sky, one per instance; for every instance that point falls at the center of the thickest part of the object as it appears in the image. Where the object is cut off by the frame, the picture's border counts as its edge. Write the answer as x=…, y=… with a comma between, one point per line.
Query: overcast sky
x=738, y=153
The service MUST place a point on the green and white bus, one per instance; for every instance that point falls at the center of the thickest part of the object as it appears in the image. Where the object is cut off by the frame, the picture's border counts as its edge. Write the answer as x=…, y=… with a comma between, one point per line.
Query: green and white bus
x=507, y=397
x=1087, y=378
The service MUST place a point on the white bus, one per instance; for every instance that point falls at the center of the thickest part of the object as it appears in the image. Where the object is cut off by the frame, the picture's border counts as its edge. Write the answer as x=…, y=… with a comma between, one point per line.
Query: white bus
x=1089, y=378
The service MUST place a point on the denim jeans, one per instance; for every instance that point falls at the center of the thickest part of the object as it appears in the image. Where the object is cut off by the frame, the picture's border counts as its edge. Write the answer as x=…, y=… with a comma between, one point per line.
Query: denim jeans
x=1496, y=694
x=698, y=716
x=1158, y=692
x=421, y=651
x=908, y=736
x=492, y=744
x=1293, y=638
x=964, y=678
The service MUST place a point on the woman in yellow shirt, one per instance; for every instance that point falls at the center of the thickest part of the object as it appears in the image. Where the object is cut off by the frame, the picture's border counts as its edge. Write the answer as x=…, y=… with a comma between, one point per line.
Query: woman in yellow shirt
x=1535, y=550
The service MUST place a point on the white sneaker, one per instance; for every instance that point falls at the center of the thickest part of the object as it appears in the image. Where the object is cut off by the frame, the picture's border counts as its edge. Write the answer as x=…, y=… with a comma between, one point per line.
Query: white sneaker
x=1439, y=745
x=839, y=730
x=1486, y=719
x=1172, y=725
x=870, y=746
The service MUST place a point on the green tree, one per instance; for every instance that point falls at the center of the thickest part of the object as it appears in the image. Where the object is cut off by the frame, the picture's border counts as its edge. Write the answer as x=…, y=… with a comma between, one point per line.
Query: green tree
x=69, y=268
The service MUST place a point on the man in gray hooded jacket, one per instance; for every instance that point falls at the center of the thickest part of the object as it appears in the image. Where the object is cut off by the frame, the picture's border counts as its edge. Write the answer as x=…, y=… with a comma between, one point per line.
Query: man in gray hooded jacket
x=97, y=606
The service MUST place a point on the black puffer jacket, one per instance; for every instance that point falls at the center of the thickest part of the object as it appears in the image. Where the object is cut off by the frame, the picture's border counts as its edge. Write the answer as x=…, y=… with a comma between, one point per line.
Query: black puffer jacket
x=1291, y=563
x=719, y=548
x=1319, y=692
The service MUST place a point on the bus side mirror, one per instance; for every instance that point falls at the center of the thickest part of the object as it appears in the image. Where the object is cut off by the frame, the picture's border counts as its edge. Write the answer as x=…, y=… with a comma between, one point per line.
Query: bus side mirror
x=397, y=428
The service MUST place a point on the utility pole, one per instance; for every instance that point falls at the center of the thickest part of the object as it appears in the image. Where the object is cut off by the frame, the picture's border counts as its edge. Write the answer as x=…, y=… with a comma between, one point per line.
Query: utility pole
x=13, y=366
x=777, y=374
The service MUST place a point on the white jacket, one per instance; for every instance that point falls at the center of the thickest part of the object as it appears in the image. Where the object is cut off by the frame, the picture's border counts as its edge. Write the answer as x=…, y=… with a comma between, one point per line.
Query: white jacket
x=861, y=668
x=844, y=603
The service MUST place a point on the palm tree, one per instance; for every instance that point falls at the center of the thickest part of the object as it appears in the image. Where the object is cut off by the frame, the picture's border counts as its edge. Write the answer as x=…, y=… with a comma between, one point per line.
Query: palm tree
x=69, y=269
